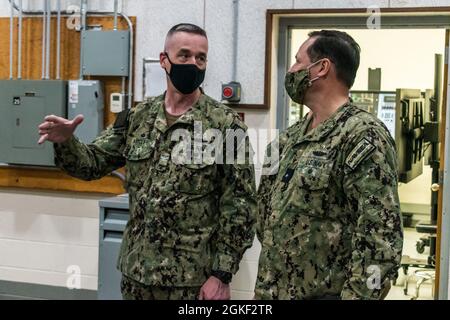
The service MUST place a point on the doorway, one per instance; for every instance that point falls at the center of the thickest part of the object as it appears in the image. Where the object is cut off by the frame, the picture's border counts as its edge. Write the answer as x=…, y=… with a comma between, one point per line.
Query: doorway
x=404, y=49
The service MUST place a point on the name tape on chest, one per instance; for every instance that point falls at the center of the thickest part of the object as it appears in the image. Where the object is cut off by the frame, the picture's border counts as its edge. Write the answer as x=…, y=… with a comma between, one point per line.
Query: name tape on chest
x=315, y=163
x=363, y=149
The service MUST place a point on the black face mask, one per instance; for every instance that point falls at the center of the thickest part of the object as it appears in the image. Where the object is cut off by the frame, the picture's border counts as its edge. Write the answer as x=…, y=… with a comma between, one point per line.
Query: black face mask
x=186, y=78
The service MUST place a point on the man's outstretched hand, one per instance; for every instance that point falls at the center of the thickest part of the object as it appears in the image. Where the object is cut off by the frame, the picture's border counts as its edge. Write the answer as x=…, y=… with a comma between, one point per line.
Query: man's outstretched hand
x=57, y=129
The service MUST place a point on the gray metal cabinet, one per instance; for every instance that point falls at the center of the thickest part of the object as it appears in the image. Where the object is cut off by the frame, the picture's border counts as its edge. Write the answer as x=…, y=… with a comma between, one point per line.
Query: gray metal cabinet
x=23, y=106
x=114, y=215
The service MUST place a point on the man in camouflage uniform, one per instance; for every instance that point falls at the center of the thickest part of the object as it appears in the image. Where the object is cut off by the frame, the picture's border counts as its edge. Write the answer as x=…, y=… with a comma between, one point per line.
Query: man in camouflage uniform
x=329, y=219
x=190, y=223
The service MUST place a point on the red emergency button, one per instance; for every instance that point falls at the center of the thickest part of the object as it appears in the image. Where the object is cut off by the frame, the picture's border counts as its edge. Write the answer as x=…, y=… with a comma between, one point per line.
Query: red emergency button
x=227, y=92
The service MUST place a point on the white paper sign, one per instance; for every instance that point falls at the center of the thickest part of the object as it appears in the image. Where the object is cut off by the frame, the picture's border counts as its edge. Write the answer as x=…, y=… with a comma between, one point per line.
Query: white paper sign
x=155, y=82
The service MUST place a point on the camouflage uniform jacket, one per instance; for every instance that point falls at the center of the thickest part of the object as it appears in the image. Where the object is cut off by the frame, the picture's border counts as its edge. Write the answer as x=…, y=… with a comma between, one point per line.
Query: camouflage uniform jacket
x=329, y=219
x=185, y=219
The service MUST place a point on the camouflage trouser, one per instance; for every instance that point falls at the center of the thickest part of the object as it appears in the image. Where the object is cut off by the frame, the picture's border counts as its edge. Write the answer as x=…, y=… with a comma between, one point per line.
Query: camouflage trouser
x=133, y=290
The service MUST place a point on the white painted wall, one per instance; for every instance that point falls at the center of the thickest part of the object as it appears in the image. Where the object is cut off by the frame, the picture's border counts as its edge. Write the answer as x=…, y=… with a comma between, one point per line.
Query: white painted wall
x=41, y=233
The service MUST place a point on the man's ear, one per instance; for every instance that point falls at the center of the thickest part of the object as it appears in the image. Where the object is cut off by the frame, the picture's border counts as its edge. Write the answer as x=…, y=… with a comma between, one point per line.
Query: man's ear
x=163, y=60
x=325, y=67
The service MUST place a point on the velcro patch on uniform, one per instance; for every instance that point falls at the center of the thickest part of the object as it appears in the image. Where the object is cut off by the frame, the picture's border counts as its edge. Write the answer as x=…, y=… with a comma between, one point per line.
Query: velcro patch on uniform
x=122, y=119
x=288, y=175
x=359, y=153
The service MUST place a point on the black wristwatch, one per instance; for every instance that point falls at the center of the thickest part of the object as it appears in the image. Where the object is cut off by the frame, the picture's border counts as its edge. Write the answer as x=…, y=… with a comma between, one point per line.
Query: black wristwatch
x=223, y=276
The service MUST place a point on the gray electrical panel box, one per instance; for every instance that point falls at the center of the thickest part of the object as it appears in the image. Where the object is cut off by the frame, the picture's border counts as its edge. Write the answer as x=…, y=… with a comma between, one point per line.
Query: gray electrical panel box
x=86, y=98
x=114, y=215
x=23, y=106
x=105, y=53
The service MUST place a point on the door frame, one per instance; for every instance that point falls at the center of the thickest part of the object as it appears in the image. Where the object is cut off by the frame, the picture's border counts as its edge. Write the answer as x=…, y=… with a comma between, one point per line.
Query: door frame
x=278, y=26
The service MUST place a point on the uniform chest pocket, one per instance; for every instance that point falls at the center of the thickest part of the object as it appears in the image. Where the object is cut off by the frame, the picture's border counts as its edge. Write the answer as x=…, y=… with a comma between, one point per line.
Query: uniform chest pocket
x=313, y=174
x=139, y=149
x=196, y=179
x=138, y=153
x=310, y=188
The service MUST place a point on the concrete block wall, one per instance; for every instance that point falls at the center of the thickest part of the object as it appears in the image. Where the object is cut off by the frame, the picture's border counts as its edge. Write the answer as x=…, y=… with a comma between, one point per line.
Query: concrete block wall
x=43, y=234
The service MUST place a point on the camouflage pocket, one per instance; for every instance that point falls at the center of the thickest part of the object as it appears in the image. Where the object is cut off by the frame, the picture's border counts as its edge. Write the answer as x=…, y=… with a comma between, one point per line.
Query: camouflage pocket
x=138, y=154
x=313, y=174
x=139, y=149
x=196, y=178
x=310, y=187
